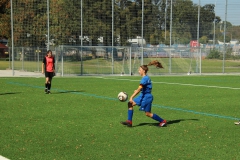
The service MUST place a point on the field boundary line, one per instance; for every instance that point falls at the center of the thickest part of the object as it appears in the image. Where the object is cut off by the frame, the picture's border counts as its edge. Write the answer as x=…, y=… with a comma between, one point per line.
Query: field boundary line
x=3, y=158
x=196, y=112
x=60, y=90
x=198, y=85
x=182, y=84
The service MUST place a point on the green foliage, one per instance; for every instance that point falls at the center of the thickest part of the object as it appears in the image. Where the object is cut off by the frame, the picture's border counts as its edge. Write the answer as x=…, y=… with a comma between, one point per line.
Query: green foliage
x=228, y=54
x=5, y=27
x=183, y=12
x=227, y=38
x=154, y=39
x=167, y=41
x=65, y=21
x=203, y=40
x=214, y=54
x=229, y=32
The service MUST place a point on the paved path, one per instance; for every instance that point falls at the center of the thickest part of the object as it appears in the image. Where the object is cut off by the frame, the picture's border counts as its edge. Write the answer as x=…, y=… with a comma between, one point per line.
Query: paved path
x=15, y=73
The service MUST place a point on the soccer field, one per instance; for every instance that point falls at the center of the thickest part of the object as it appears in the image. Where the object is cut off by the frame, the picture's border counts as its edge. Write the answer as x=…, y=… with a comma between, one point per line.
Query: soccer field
x=80, y=119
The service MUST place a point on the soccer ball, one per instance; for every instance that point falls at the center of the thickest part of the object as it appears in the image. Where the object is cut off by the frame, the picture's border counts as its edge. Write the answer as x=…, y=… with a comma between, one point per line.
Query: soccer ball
x=122, y=96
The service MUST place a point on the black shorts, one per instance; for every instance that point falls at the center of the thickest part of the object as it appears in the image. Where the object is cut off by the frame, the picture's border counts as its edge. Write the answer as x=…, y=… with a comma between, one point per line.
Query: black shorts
x=49, y=74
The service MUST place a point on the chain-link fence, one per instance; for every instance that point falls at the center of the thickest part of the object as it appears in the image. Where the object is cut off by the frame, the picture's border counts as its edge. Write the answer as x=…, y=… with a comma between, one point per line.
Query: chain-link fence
x=99, y=60
x=116, y=37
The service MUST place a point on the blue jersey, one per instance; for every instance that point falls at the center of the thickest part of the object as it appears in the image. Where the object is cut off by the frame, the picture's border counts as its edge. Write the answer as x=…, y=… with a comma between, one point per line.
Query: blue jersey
x=144, y=100
x=147, y=84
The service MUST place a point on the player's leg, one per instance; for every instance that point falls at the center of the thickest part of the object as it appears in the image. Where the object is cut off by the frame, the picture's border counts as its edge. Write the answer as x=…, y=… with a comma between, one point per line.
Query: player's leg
x=50, y=81
x=154, y=116
x=136, y=101
x=46, y=81
x=128, y=122
x=48, y=85
x=147, y=105
x=162, y=122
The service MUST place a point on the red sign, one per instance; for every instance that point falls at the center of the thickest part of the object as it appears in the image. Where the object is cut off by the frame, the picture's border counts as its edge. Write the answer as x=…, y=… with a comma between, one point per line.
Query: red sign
x=194, y=43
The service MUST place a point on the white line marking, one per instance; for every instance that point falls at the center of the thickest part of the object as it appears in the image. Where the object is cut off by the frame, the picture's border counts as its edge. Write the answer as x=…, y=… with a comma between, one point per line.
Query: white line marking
x=179, y=84
x=3, y=158
x=199, y=85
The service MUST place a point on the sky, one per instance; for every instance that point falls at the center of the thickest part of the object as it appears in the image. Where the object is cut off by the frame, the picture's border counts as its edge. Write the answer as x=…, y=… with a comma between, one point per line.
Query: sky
x=233, y=9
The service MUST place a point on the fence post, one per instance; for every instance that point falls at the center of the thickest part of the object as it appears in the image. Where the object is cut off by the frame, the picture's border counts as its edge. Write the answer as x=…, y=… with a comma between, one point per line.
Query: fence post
x=22, y=58
x=38, y=57
x=130, y=61
x=200, y=65
x=62, y=58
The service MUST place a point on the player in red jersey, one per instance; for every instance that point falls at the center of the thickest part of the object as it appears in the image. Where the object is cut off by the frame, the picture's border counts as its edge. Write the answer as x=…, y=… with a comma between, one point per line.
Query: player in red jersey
x=48, y=67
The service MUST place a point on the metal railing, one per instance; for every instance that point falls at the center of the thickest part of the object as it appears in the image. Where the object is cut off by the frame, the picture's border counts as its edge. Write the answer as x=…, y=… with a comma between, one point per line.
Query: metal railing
x=105, y=60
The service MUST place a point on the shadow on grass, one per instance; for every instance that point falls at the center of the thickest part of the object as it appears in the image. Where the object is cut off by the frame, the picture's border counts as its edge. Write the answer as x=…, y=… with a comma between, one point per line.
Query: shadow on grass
x=61, y=92
x=1, y=94
x=169, y=122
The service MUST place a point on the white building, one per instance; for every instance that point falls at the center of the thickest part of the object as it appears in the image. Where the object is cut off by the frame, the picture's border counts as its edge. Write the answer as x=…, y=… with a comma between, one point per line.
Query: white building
x=137, y=41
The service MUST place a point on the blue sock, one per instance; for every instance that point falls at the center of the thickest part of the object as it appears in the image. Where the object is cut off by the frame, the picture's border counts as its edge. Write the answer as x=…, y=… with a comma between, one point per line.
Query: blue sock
x=157, y=118
x=130, y=115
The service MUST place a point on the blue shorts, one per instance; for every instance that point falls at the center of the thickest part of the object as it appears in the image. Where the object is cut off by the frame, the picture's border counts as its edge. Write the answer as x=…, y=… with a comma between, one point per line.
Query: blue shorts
x=144, y=102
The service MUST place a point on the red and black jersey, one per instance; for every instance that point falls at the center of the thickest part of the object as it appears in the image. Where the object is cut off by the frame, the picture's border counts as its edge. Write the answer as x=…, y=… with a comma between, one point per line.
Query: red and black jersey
x=49, y=63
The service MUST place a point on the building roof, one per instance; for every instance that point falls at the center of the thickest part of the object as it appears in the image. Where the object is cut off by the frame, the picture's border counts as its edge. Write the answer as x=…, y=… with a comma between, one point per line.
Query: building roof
x=3, y=46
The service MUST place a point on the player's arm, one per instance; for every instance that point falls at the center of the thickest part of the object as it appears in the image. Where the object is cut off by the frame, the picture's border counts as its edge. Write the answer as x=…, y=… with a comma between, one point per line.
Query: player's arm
x=53, y=64
x=43, y=65
x=136, y=91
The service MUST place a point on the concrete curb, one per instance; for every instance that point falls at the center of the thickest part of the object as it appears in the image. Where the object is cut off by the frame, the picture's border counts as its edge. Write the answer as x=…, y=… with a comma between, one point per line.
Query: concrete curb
x=15, y=73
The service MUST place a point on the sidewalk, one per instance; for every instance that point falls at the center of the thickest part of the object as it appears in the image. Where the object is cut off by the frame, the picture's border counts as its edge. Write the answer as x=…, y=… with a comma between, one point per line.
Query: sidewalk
x=16, y=73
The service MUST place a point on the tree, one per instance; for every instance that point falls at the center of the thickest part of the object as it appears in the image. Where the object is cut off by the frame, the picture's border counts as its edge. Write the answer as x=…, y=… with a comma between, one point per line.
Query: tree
x=207, y=17
x=220, y=33
x=65, y=22
x=130, y=18
x=214, y=54
x=235, y=32
x=5, y=25
x=203, y=40
x=30, y=22
x=186, y=18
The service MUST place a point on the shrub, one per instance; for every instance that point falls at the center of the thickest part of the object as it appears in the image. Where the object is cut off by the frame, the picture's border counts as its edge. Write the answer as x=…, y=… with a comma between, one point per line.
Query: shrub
x=214, y=54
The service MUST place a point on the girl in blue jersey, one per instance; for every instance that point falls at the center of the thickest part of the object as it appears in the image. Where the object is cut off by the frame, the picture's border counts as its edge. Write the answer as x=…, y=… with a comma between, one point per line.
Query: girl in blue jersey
x=144, y=100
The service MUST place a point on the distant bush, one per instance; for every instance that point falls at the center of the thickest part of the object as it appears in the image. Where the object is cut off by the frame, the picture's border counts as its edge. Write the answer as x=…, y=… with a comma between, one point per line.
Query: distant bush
x=4, y=59
x=214, y=54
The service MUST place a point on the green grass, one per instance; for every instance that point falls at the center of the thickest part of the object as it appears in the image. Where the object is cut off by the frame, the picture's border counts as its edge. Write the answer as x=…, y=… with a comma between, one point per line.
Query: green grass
x=103, y=66
x=80, y=119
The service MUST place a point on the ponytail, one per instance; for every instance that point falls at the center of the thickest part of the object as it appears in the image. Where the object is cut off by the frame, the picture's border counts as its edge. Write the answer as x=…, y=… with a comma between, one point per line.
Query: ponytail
x=155, y=63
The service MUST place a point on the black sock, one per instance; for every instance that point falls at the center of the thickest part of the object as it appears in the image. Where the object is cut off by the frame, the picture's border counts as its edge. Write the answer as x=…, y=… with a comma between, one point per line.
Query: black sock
x=46, y=85
x=49, y=86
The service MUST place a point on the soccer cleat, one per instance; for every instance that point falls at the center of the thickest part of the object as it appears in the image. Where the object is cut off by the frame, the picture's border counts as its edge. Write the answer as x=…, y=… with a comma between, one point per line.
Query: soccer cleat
x=163, y=123
x=127, y=123
x=48, y=92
